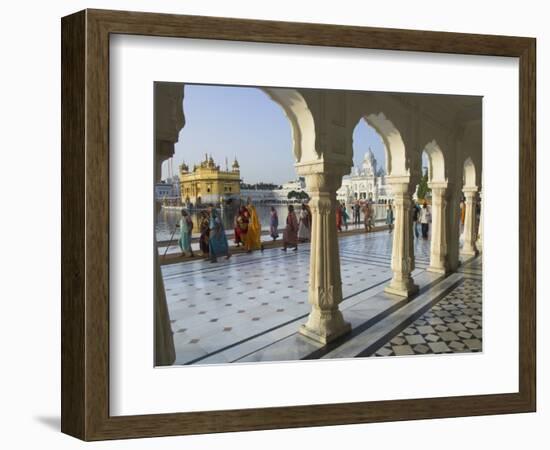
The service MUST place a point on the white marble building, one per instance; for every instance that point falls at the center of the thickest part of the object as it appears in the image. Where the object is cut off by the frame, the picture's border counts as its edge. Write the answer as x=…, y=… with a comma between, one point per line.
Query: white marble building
x=297, y=185
x=446, y=127
x=274, y=195
x=162, y=190
x=366, y=182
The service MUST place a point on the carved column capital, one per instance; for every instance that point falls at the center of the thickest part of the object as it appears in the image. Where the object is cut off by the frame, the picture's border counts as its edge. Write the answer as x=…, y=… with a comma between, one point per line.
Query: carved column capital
x=469, y=192
x=322, y=175
x=401, y=188
x=323, y=182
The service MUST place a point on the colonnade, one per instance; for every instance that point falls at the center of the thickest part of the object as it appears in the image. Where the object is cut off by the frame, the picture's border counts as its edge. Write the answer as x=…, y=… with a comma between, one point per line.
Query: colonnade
x=325, y=322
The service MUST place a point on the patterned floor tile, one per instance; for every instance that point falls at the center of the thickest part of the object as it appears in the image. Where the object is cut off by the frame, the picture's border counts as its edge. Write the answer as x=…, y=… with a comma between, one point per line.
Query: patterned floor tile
x=463, y=302
x=237, y=299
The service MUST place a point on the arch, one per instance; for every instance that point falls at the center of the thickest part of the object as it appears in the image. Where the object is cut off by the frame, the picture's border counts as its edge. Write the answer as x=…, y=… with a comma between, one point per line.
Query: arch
x=469, y=173
x=436, y=162
x=394, y=147
x=301, y=120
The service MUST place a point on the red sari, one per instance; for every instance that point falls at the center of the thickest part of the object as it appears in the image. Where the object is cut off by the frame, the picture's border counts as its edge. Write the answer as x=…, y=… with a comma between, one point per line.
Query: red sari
x=290, y=235
x=339, y=218
x=241, y=226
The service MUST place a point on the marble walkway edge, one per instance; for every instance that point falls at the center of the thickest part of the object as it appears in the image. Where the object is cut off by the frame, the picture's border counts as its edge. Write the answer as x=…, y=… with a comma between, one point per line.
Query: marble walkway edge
x=371, y=339
x=363, y=313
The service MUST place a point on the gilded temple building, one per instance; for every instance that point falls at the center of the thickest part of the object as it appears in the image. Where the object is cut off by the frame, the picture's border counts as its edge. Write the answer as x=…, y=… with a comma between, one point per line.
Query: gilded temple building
x=207, y=183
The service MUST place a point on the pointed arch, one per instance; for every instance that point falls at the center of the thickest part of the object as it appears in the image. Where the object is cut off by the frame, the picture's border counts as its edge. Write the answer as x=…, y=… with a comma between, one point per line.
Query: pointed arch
x=436, y=161
x=469, y=173
x=396, y=161
x=301, y=119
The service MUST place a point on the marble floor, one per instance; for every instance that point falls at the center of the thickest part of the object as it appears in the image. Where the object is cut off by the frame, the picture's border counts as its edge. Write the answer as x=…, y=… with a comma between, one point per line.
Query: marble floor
x=453, y=325
x=248, y=308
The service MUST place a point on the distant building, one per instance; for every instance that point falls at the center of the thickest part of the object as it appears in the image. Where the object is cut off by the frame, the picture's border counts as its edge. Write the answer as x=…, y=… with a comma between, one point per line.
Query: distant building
x=163, y=190
x=365, y=183
x=298, y=186
x=279, y=195
x=258, y=195
x=175, y=180
x=206, y=183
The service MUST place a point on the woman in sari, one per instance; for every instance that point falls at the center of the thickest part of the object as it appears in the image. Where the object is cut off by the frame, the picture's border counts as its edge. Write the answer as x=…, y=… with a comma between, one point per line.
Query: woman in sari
x=186, y=227
x=253, y=235
x=345, y=216
x=217, y=244
x=204, y=228
x=236, y=231
x=290, y=235
x=241, y=226
x=304, y=233
x=338, y=216
x=273, y=224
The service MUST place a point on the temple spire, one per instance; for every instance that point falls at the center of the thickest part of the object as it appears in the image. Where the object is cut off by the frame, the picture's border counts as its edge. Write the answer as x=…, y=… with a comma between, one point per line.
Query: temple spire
x=235, y=166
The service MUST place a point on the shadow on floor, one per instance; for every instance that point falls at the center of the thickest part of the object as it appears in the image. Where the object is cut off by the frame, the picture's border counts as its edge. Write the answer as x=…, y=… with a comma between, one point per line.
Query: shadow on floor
x=52, y=422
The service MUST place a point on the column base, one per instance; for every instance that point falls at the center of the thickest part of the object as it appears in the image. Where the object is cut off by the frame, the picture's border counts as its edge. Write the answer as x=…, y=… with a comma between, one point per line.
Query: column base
x=403, y=289
x=324, y=329
x=436, y=269
x=479, y=246
x=468, y=254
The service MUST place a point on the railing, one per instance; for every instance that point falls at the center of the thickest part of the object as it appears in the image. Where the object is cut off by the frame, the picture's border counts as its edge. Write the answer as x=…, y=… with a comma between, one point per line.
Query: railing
x=378, y=210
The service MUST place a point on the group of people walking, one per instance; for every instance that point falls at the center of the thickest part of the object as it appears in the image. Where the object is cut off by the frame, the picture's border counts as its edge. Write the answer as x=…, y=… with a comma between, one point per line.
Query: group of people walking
x=213, y=241
x=421, y=217
x=247, y=229
x=342, y=216
x=297, y=229
x=369, y=216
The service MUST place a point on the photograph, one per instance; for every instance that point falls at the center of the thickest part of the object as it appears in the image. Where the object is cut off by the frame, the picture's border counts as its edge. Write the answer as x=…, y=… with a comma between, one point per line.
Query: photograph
x=295, y=223
x=273, y=223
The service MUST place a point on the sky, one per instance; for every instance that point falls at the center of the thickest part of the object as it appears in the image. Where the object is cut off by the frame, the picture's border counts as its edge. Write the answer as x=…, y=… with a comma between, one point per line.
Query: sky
x=244, y=122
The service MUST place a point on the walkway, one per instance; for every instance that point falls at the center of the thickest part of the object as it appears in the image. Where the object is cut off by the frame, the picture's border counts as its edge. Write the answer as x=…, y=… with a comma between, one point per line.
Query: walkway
x=249, y=307
x=170, y=251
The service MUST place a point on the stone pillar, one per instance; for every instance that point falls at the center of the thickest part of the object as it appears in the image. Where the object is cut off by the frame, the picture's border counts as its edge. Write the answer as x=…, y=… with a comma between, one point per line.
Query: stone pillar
x=438, y=245
x=325, y=322
x=453, y=196
x=169, y=120
x=402, y=258
x=479, y=242
x=165, y=352
x=469, y=246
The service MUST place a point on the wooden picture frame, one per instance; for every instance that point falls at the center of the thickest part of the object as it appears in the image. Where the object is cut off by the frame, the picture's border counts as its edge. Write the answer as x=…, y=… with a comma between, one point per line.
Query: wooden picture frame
x=85, y=224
